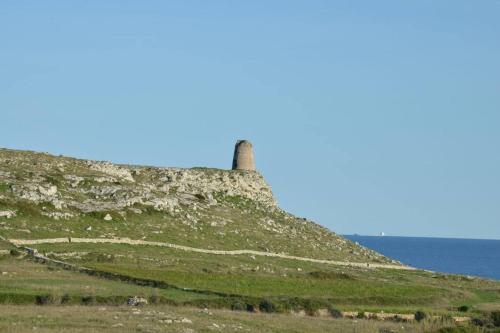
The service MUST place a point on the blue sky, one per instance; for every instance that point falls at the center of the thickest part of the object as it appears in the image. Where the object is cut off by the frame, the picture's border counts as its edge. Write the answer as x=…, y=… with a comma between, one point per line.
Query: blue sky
x=366, y=116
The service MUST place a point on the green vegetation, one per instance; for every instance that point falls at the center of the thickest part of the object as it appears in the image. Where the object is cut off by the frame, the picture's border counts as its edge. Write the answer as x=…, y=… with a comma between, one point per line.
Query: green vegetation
x=420, y=315
x=234, y=222
x=26, y=282
x=4, y=187
x=463, y=308
x=288, y=284
x=164, y=205
x=495, y=317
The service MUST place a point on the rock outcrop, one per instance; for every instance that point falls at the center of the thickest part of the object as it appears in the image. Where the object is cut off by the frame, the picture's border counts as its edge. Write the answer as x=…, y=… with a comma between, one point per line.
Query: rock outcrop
x=92, y=186
x=49, y=196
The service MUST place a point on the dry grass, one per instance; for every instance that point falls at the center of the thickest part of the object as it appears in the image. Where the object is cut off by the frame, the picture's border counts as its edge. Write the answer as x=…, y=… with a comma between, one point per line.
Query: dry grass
x=72, y=319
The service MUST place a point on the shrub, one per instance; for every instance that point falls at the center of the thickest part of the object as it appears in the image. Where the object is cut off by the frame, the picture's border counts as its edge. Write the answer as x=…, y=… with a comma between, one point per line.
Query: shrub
x=293, y=304
x=477, y=322
x=251, y=308
x=239, y=306
x=361, y=315
x=88, y=300
x=336, y=313
x=267, y=306
x=463, y=308
x=15, y=252
x=311, y=307
x=65, y=299
x=495, y=317
x=45, y=299
x=420, y=315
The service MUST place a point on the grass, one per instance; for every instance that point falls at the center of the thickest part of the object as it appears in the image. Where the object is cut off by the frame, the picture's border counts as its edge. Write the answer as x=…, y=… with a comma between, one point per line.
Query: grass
x=282, y=280
x=23, y=280
x=359, y=292
x=4, y=187
x=242, y=230
x=237, y=282
x=76, y=319
x=246, y=224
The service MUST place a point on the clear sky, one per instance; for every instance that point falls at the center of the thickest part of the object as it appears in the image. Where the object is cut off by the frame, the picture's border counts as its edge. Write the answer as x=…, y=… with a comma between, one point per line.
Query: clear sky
x=366, y=116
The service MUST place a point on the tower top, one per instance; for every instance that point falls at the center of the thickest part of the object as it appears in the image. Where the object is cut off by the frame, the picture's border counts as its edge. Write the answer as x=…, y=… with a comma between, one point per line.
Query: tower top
x=243, y=156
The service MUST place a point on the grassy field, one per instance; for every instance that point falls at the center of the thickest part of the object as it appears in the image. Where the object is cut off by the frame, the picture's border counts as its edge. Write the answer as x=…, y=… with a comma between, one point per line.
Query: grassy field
x=223, y=280
x=73, y=319
x=22, y=281
x=43, y=196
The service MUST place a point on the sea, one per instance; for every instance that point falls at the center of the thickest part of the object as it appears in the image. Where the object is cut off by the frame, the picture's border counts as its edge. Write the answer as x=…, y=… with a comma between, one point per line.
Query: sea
x=475, y=257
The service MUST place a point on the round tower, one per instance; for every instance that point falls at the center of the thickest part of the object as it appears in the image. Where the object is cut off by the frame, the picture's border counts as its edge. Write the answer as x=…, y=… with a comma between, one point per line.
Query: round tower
x=243, y=156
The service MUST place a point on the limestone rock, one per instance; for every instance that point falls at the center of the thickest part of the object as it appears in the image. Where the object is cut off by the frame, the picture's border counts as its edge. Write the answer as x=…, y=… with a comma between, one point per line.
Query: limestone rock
x=104, y=187
x=49, y=191
x=58, y=215
x=112, y=170
x=74, y=180
x=7, y=213
x=137, y=301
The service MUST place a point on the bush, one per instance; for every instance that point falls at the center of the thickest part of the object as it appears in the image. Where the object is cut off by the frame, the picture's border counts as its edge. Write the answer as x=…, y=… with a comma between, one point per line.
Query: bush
x=311, y=307
x=267, y=306
x=45, y=299
x=495, y=317
x=65, y=299
x=463, y=308
x=239, y=306
x=250, y=308
x=361, y=315
x=15, y=252
x=477, y=322
x=89, y=300
x=336, y=313
x=420, y=315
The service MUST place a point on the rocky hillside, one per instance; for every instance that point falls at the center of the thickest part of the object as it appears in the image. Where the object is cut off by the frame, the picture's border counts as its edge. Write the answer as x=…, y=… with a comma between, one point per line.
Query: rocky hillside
x=44, y=196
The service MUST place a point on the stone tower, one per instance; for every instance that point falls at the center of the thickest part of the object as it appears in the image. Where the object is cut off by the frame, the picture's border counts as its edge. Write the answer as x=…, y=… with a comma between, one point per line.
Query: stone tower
x=243, y=156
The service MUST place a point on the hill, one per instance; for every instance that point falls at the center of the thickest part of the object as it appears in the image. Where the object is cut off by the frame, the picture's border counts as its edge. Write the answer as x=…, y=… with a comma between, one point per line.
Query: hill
x=199, y=207
x=194, y=237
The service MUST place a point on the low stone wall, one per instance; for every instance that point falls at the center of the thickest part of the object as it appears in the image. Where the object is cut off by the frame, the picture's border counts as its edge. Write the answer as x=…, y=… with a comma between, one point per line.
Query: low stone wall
x=20, y=242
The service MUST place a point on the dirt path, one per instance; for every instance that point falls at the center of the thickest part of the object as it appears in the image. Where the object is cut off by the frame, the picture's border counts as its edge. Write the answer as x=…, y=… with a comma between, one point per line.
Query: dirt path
x=193, y=249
